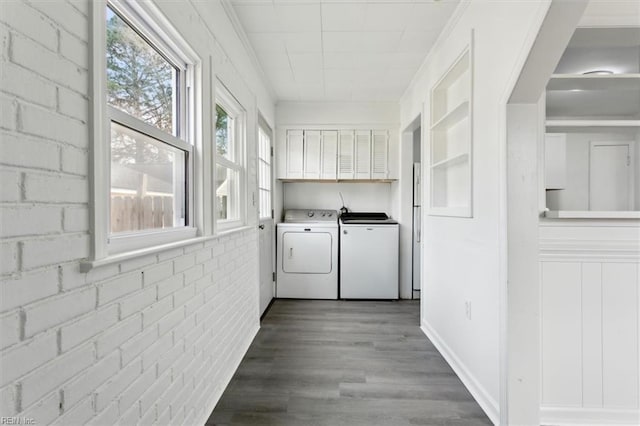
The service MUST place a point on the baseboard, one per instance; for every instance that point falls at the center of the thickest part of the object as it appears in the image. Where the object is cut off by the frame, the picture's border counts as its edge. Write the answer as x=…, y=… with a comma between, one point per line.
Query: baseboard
x=227, y=379
x=479, y=393
x=560, y=416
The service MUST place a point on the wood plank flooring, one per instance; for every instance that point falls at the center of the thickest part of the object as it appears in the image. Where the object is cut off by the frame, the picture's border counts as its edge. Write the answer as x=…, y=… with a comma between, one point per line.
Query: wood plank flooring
x=344, y=363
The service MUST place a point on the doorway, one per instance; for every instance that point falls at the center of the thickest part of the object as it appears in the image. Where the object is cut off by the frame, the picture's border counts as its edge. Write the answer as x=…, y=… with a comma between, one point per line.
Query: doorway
x=411, y=196
x=266, y=225
x=417, y=214
x=611, y=176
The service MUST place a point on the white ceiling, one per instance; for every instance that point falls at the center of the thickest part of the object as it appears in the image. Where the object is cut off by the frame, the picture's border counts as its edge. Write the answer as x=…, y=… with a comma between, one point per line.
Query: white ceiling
x=342, y=50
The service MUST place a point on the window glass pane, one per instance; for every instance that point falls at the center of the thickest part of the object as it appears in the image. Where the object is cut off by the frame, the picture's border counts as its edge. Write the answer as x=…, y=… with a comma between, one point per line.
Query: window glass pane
x=224, y=134
x=227, y=193
x=147, y=182
x=140, y=81
x=264, y=173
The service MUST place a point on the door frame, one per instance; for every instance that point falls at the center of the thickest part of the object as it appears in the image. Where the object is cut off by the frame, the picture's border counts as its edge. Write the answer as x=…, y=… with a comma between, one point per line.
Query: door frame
x=263, y=125
x=631, y=171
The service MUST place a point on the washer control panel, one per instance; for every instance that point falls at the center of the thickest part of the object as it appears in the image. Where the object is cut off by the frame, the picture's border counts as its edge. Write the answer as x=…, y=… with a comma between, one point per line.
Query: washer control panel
x=302, y=215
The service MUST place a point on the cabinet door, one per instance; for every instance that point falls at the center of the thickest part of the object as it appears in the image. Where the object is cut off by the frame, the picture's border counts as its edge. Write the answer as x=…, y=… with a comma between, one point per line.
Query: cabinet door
x=329, y=154
x=312, y=151
x=346, y=150
x=295, y=151
x=555, y=160
x=379, y=154
x=363, y=154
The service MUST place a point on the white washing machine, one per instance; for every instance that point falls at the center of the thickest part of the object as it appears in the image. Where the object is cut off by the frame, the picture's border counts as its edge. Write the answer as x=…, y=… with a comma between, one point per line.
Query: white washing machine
x=307, y=255
x=369, y=256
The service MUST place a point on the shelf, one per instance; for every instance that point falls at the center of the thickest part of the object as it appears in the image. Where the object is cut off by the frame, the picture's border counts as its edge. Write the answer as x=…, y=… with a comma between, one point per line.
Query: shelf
x=594, y=82
x=457, y=159
x=590, y=126
x=452, y=117
x=573, y=214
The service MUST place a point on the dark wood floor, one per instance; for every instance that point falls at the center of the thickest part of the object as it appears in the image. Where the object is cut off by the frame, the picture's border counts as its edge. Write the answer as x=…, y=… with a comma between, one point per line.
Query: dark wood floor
x=344, y=363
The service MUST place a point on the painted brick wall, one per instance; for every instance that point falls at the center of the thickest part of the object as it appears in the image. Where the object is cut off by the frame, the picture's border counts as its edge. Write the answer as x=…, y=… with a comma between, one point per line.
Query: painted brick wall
x=151, y=340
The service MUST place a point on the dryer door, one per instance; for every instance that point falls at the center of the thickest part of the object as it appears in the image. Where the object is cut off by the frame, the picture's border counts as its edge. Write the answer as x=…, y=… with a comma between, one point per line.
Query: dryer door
x=306, y=252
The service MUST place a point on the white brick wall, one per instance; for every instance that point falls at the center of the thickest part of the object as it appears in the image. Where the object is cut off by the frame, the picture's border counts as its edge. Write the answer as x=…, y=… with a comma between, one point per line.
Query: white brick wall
x=153, y=339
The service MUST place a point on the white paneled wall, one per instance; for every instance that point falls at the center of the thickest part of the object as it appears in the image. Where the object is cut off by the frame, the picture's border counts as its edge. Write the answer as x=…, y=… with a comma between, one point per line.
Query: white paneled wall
x=590, y=331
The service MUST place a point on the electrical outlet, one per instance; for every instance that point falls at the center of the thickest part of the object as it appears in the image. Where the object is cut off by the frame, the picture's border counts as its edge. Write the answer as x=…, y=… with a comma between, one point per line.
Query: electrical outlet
x=467, y=309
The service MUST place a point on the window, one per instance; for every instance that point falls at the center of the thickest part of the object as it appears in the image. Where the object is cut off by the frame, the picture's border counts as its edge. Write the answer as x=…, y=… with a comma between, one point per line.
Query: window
x=229, y=172
x=142, y=86
x=264, y=172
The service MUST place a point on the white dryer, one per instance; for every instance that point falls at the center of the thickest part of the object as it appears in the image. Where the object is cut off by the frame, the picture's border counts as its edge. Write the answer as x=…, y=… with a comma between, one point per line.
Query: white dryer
x=307, y=255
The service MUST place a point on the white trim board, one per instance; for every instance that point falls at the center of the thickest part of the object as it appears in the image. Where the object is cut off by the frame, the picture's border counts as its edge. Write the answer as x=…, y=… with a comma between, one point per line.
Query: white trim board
x=479, y=393
x=560, y=416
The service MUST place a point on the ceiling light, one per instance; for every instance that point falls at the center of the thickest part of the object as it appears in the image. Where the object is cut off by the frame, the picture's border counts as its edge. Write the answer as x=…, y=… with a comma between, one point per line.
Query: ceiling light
x=598, y=72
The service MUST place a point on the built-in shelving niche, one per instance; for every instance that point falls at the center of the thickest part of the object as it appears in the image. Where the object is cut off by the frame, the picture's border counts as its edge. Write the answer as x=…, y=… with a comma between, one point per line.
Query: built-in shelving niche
x=451, y=140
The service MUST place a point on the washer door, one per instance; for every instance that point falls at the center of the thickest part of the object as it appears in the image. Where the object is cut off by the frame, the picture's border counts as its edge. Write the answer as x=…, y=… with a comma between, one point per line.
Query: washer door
x=306, y=252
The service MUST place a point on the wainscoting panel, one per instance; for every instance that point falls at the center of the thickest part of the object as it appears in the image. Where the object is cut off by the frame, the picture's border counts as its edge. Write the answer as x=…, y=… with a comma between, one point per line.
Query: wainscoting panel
x=590, y=324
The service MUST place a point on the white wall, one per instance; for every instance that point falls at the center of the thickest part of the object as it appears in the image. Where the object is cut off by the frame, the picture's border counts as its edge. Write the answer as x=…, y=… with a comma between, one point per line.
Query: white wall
x=374, y=197
x=149, y=339
x=462, y=258
x=575, y=195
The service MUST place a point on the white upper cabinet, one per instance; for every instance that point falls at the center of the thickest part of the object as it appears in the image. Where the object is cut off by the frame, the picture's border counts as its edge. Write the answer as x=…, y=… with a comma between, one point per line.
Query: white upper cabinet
x=329, y=155
x=346, y=152
x=379, y=154
x=336, y=155
x=295, y=154
x=363, y=154
x=312, y=154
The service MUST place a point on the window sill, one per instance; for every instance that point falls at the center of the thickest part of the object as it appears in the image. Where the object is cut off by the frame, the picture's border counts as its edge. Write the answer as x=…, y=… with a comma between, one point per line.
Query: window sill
x=87, y=265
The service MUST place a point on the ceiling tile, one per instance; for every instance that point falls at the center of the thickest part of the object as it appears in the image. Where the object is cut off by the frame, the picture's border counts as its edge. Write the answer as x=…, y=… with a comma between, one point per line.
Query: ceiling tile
x=430, y=16
x=258, y=17
x=274, y=60
x=298, y=17
x=340, y=41
x=361, y=41
x=366, y=50
x=343, y=16
x=301, y=62
x=267, y=42
x=342, y=60
x=412, y=41
x=379, y=42
x=406, y=60
x=303, y=42
x=387, y=16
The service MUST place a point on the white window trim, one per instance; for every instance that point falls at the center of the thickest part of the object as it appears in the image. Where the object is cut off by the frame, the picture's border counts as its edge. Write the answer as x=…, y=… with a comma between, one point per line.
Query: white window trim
x=266, y=130
x=232, y=106
x=150, y=22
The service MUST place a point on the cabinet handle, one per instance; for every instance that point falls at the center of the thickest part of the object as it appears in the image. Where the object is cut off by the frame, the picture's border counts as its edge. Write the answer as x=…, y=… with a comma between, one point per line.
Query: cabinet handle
x=291, y=253
x=261, y=226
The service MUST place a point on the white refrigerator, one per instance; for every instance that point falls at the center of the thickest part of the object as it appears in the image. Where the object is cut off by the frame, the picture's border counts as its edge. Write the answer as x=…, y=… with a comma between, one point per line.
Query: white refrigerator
x=417, y=230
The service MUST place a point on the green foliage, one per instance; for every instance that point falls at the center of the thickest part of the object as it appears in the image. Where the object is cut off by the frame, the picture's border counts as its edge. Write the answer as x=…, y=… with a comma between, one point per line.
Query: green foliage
x=140, y=82
x=222, y=130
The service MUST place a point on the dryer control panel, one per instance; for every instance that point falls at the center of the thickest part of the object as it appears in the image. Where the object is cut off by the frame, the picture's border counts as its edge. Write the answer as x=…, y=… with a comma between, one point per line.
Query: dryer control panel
x=310, y=216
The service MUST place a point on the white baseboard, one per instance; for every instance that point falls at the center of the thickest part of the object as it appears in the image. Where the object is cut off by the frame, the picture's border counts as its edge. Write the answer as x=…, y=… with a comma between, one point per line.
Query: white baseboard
x=479, y=393
x=560, y=416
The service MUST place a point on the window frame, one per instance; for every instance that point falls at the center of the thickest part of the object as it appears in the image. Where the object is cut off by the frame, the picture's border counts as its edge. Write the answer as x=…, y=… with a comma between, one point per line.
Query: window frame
x=234, y=109
x=147, y=20
x=264, y=129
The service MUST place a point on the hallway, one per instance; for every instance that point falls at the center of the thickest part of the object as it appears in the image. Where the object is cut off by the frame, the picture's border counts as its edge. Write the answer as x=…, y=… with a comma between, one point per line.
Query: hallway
x=344, y=363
